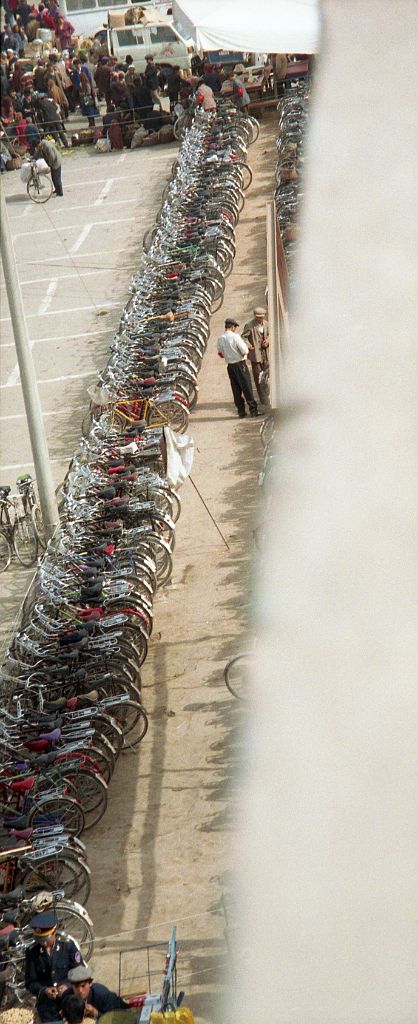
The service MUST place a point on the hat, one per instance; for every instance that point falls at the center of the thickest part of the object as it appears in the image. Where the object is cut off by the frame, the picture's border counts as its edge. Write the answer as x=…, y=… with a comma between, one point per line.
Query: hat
x=44, y=924
x=239, y=69
x=80, y=973
x=259, y=311
x=231, y=323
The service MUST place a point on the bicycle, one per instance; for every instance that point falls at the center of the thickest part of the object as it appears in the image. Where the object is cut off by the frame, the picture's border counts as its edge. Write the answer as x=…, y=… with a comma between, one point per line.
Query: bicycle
x=17, y=532
x=39, y=191
x=25, y=485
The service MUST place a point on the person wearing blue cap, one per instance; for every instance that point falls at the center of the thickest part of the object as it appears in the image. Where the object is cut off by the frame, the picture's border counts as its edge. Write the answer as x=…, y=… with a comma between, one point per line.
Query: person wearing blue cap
x=47, y=964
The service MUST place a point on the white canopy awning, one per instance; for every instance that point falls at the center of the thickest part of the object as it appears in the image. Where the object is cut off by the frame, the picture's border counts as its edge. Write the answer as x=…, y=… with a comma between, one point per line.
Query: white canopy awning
x=270, y=26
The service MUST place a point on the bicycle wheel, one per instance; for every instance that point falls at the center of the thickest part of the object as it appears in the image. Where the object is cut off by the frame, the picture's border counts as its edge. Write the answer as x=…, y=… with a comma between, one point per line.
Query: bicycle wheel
x=176, y=413
x=58, y=872
x=236, y=675
x=254, y=127
x=75, y=922
x=25, y=542
x=133, y=721
x=108, y=728
x=39, y=189
x=63, y=810
x=246, y=173
x=38, y=525
x=5, y=552
x=91, y=792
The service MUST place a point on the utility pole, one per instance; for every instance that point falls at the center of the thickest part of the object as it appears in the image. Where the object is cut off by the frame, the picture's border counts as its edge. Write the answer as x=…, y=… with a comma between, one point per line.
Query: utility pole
x=30, y=391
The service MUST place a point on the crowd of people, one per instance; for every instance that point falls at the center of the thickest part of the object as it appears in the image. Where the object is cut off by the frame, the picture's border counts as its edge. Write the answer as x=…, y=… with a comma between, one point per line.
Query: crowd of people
x=37, y=95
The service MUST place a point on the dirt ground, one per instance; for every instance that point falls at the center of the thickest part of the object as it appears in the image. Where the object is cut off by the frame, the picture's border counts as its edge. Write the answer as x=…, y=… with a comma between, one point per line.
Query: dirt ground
x=163, y=854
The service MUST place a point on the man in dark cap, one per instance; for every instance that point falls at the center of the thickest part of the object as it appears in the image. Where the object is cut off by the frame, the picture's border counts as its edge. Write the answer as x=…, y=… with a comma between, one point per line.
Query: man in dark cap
x=234, y=350
x=98, y=998
x=47, y=964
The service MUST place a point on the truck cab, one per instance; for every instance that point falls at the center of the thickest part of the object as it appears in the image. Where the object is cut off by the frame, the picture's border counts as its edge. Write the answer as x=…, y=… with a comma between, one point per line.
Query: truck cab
x=154, y=35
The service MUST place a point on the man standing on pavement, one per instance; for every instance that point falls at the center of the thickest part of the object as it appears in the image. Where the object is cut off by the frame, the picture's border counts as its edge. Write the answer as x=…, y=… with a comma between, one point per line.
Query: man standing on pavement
x=256, y=333
x=234, y=350
x=49, y=152
x=98, y=999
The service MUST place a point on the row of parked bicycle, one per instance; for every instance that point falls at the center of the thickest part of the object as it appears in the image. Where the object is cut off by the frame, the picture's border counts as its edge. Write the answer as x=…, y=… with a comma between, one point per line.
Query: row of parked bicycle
x=290, y=142
x=71, y=680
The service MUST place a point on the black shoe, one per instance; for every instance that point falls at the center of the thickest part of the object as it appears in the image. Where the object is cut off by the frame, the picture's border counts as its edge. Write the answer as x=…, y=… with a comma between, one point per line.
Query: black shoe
x=255, y=412
x=242, y=415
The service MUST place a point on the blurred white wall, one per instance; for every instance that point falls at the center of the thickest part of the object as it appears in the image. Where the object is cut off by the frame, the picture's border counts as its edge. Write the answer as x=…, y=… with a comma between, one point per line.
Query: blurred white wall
x=329, y=832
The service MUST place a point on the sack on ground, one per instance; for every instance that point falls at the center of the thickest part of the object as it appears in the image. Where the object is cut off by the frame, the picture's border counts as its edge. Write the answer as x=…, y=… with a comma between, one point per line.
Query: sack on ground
x=138, y=137
x=103, y=145
x=166, y=133
x=180, y=451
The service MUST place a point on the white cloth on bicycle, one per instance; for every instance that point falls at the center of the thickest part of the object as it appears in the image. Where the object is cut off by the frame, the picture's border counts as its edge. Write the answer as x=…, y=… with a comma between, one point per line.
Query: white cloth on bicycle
x=42, y=166
x=25, y=173
x=180, y=451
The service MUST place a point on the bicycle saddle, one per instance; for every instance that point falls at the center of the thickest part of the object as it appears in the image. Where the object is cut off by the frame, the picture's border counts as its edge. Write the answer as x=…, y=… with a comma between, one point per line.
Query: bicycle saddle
x=88, y=698
x=24, y=833
x=14, y=896
x=10, y=917
x=73, y=637
x=45, y=759
x=52, y=736
x=56, y=670
x=106, y=494
x=20, y=822
x=55, y=705
x=36, y=745
x=23, y=785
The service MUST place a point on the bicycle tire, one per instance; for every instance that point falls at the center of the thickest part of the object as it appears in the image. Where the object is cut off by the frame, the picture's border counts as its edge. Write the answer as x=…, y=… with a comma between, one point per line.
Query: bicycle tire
x=39, y=191
x=75, y=922
x=5, y=552
x=91, y=792
x=254, y=128
x=25, y=542
x=58, y=872
x=133, y=721
x=38, y=525
x=69, y=812
x=229, y=682
x=107, y=726
x=86, y=422
x=247, y=174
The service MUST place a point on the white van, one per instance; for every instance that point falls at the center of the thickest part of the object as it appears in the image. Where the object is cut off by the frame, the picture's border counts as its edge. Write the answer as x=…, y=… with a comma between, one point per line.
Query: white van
x=158, y=37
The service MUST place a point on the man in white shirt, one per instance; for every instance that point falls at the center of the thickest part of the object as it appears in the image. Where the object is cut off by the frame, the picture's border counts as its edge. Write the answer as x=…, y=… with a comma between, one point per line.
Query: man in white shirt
x=234, y=350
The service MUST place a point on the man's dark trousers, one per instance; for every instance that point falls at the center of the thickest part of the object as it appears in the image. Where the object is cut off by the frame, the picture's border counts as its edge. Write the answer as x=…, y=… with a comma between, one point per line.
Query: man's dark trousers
x=240, y=379
x=56, y=180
